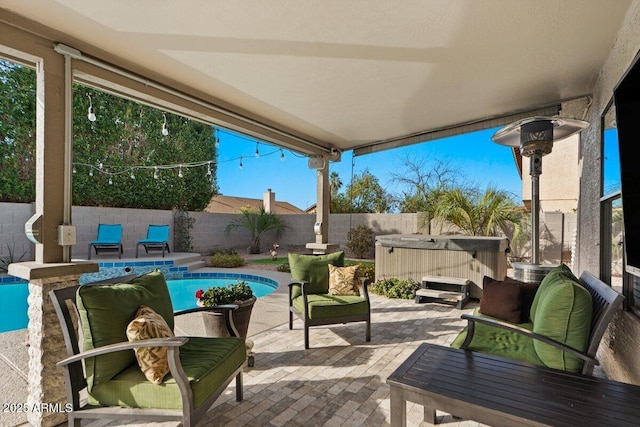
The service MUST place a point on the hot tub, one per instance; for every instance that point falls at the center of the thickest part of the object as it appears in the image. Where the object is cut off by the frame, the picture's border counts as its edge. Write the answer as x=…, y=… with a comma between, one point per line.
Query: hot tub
x=411, y=256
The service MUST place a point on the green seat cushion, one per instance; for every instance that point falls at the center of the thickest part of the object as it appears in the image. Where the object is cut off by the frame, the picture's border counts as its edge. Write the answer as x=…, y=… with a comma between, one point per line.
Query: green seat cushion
x=313, y=269
x=500, y=342
x=207, y=362
x=106, y=310
x=322, y=306
x=563, y=313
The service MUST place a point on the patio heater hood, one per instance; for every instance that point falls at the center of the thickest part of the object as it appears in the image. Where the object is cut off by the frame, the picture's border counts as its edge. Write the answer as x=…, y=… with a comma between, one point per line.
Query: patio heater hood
x=535, y=137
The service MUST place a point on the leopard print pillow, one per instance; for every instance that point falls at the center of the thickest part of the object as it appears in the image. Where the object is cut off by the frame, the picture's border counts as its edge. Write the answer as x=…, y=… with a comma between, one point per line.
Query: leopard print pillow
x=342, y=280
x=152, y=360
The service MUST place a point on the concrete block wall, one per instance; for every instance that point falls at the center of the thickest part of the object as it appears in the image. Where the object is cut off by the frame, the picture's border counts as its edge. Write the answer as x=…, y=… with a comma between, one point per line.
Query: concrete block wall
x=208, y=232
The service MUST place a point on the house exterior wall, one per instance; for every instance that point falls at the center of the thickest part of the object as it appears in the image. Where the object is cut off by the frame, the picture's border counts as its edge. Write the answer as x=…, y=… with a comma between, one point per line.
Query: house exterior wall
x=560, y=179
x=620, y=347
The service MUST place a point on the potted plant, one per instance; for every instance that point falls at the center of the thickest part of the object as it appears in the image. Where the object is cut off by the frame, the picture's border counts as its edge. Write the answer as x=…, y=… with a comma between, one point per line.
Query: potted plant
x=238, y=293
x=258, y=222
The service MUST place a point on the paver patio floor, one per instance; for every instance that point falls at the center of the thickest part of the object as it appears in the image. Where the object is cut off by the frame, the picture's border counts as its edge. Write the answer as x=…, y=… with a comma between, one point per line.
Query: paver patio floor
x=340, y=381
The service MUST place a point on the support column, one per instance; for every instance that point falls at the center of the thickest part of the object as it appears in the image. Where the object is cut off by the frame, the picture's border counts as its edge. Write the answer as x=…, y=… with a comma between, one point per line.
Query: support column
x=47, y=394
x=323, y=207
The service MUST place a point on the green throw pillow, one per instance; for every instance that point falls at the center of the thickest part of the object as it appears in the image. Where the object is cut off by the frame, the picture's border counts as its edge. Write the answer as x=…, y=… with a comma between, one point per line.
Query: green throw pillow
x=105, y=312
x=563, y=313
x=314, y=269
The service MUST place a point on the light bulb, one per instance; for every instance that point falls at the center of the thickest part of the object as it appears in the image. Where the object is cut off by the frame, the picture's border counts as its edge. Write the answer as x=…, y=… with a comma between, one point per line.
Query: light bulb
x=217, y=142
x=110, y=181
x=91, y=114
x=100, y=165
x=132, y=175
x=180, y=172
x=257, y=151
x=90, y=172
x=209, y=169
x=155, y=173
x=282, y=155
x=165, y=129
x=240, y=162
x=74, y=169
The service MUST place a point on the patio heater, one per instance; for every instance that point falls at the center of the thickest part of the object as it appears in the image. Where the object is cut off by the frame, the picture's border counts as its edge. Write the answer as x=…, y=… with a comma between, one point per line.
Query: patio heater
x=535, y=137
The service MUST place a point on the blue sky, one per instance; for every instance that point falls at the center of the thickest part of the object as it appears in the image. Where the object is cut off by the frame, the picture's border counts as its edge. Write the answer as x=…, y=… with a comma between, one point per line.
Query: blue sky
x=478, y=159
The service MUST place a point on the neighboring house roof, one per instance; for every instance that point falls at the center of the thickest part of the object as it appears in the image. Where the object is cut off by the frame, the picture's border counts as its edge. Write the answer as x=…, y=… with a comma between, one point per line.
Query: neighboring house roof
x=229, y=204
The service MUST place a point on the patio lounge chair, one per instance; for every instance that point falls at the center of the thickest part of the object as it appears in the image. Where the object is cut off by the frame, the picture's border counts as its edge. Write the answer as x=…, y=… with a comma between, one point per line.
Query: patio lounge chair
x=113, y=380
x=109, y=239
x=157, y=238
x=312, y=299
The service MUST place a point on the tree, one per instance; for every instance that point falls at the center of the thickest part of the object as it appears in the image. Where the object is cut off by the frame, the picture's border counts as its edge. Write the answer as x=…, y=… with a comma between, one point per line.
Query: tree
x=114, y=157
x=478, y=213
x=17, y=133
x=424, y=184
x=363, y=195
x=258, y=223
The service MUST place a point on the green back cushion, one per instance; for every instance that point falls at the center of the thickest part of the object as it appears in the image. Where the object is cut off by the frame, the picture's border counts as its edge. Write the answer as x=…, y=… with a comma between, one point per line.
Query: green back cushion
x=314, y=269
x=563, y=310
x=105, y=312
x=562, y=271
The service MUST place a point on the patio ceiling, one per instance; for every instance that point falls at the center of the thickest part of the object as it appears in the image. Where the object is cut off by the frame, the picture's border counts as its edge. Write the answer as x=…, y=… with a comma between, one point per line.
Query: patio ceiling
x=363, y=75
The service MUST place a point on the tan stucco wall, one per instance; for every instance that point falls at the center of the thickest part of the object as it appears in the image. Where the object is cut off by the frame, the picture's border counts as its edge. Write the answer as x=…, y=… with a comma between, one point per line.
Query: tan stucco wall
x=620, y=348
x=560, y=179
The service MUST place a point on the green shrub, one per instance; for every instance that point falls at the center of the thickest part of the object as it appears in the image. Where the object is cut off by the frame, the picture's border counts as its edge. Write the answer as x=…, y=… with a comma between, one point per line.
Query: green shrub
x=229, y=251
x=225, y=295
x=395, y=288
x=365, y=269
x=284, y=267
x=361, y=241
x=225, y=260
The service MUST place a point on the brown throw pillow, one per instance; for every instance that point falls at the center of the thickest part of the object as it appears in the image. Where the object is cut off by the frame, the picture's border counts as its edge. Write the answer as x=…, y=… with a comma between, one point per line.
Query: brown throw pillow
x=528, y=294
x=152, y=360
x=342, y=280
x=501, y=299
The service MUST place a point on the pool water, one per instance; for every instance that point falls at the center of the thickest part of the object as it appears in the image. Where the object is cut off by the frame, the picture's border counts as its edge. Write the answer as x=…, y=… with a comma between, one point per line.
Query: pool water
x=183, y=291
x=13, y=297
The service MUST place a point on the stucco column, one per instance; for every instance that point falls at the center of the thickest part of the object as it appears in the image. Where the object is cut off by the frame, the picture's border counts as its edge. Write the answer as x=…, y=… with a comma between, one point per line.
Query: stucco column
x=323, y=193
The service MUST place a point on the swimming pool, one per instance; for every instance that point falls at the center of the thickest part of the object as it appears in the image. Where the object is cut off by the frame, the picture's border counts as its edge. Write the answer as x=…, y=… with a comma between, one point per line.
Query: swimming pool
x=13, y=297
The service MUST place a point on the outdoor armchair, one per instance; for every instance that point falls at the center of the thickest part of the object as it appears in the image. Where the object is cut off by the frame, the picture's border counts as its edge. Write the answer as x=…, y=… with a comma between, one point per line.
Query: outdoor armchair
x=109, y=239
x=121, y=384
x=313, y=300
x=157, y=238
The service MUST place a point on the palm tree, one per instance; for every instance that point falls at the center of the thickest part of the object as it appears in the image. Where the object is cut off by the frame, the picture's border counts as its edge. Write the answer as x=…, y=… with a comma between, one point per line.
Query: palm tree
x=478, y=214
x=258, y=223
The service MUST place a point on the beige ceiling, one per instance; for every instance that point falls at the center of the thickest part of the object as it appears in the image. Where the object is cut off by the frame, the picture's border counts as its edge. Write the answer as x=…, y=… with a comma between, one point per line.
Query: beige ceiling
x=350, y=74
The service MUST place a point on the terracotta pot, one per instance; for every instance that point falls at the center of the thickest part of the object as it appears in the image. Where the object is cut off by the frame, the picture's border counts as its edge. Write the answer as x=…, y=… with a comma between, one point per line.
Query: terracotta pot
x=214, y=320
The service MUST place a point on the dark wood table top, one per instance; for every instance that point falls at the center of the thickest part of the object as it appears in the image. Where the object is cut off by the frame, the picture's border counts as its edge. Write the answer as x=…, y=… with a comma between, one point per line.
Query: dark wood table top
x=543, y=395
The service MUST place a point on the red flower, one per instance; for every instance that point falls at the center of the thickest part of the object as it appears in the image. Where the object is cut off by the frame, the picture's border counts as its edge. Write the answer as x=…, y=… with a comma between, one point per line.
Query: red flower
x=199, y=294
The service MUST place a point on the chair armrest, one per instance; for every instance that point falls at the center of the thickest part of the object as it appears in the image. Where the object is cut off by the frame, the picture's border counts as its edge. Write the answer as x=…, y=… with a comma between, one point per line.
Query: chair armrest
x=363, y=288
x=130, y=345
x=471, y=319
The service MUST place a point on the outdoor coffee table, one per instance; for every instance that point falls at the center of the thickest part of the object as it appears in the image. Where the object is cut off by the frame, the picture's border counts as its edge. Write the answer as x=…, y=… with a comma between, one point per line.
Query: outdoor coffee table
x=503, y=392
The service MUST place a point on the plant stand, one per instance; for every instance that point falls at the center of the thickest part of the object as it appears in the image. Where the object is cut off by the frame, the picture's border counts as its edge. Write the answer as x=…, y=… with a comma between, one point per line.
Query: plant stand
x=215, y=327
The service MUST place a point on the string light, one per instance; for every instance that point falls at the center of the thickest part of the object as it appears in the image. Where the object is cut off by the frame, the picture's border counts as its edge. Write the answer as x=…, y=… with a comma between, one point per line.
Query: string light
x=91, y=114
x=165, y=129
x=257, y=151
x=180, y=172
x=74, y=169
x=110, y=181
x=209, y=169
x=155, y=173
x=132, y=175
x=240, y=162
x=281, y=155
x=90, y=172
